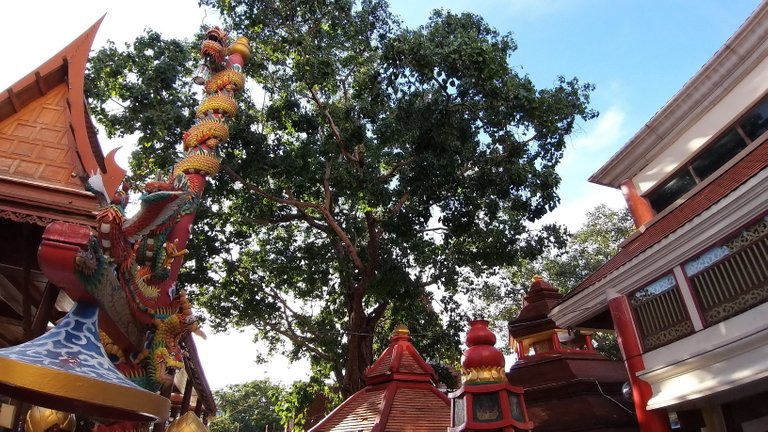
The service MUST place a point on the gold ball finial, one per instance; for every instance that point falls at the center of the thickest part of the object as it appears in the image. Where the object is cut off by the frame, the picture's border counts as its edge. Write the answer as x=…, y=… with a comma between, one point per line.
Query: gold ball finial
x=187, y=423
x=241, y=46
x=401, y=329
x=41, y=419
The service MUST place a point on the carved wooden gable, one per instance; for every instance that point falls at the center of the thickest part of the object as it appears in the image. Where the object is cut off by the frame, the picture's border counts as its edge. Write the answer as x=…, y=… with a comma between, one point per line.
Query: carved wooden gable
x=34, y=144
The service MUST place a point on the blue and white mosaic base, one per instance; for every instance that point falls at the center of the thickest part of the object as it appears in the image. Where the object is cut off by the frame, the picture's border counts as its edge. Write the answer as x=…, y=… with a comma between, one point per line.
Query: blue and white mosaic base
x=72, y=346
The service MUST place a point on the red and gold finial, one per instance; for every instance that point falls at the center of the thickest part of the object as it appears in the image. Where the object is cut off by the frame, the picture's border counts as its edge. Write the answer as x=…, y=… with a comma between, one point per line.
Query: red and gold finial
x=400, y=332
x=481, y=363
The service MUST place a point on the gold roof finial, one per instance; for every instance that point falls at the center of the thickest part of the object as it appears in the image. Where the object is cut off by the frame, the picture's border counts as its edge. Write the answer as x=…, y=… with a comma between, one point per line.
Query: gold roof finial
x=41, y=419
x=401, y=329
x=187, y=423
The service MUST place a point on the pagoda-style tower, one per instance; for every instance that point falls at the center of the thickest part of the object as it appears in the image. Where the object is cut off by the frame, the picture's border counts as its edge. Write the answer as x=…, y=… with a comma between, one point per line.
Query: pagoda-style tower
x=486, y=401
x=568, y=385
x=400, y=395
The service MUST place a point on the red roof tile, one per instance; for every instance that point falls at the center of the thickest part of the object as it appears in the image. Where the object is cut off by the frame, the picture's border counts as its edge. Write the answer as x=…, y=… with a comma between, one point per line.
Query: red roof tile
x=400, y=395
x=400, y=360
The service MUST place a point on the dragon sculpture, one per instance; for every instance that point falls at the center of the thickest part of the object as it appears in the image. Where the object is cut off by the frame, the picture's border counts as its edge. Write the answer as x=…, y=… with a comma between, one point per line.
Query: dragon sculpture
x=142, y=254
x=135, y=261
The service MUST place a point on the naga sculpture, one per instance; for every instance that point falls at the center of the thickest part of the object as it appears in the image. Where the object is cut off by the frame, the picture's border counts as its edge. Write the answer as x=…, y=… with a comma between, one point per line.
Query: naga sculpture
x=135, y=261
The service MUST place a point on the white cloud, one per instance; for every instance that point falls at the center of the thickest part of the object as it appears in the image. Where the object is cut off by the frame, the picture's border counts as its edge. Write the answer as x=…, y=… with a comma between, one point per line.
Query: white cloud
x=572, y=212
x=608, y=129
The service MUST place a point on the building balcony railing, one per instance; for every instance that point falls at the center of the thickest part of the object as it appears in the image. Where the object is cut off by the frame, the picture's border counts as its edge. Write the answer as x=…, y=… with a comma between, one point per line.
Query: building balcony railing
x=660, y=313
x=736, y=280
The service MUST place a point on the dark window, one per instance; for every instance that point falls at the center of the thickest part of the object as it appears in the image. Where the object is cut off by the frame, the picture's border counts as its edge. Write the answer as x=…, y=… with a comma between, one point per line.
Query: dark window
x=756, y=122
x=673, y=189
x=717, y=154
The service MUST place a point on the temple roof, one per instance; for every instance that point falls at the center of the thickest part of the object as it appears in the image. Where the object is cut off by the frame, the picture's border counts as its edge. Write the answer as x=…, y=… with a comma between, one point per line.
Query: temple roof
x=537, y=303
x=400, y=395
x=48, y=143
x=710, y=194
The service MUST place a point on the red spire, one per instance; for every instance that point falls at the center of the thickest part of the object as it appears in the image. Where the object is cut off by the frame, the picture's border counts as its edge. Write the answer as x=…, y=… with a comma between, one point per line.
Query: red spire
x=481, y=363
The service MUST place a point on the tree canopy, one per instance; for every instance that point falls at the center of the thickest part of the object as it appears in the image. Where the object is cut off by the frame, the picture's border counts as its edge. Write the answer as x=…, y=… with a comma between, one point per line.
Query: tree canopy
x=586, y=249
x=247, y=407
x=374, y=173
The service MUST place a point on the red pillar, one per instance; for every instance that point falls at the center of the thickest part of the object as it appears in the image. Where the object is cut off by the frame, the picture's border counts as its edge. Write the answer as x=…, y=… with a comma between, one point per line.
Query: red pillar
x=639, y=207
x=649, y=421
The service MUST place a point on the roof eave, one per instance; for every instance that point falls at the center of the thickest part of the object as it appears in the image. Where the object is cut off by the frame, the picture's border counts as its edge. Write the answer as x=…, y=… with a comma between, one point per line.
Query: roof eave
x=737, y=57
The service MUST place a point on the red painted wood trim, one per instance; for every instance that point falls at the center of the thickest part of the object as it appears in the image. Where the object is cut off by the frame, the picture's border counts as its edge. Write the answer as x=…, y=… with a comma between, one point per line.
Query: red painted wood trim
x=629, y=342
x=639, y=207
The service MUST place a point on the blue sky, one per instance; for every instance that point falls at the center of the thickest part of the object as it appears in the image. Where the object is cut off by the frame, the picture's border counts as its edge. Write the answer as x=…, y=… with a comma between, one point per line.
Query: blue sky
x=637, y=52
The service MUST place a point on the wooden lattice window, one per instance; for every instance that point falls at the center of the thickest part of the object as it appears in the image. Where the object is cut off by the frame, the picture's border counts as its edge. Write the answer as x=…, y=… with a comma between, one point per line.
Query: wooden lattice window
x=730, y=279
x=660, y=313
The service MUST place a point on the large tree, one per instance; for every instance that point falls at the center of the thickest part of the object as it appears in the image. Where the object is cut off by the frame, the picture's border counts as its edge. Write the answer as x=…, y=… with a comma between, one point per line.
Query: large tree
x=376, y=172
x=589, y=247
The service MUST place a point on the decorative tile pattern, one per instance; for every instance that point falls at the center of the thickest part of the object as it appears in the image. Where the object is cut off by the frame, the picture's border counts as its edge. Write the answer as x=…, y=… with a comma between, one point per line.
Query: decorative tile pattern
x=705, y=260
x=34, y=144
x=72, y=346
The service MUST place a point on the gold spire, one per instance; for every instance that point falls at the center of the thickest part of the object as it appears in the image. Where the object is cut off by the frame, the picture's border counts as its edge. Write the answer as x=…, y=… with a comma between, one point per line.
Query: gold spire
x=187, y=423
x=401, y=329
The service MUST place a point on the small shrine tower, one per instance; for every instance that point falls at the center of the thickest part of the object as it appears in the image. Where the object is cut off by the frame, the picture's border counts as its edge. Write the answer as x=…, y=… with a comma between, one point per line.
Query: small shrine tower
x=486, y=401
x=400, y=395
x=568, y=385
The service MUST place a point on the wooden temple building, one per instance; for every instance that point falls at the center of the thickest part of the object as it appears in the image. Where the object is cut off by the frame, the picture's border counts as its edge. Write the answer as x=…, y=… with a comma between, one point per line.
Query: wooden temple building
x=401, y=393
x=687, y=293
x=562, y=374
x=48, y=147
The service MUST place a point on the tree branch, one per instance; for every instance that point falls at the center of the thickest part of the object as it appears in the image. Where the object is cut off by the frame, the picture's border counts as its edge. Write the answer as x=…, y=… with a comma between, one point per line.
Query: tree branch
x=433, y=229
x=400, y=203
x=289, y=217
x=344, y=85
x=311, y=221
x=326, y=186
x=287, y=330
x=348, y=245
x=431, y=281
x=336, y=133
x=395, y=167
x=372, y=248
x=260, y=192
x=377, y=312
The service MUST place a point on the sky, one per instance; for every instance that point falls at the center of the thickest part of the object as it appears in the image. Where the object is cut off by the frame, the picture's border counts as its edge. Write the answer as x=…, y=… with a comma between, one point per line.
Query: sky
x=638, y=54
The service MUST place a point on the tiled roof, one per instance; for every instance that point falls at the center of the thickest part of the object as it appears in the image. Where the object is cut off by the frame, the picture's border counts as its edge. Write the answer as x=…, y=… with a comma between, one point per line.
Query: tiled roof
x=743, y=170
x=358, y=413
x=400, y=395
x=48, y=142
x=400, y=360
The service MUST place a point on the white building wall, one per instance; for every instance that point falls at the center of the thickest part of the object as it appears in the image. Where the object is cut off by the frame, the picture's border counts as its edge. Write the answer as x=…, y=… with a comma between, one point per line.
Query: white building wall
x=720, y=357
x=742, y=96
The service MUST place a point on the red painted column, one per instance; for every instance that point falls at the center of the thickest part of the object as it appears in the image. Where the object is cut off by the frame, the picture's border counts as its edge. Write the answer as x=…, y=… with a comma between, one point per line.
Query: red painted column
x=639, y=207
x=629, y=342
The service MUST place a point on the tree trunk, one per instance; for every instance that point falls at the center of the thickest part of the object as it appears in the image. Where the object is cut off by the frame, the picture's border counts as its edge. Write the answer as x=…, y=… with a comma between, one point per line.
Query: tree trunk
x=359, y=348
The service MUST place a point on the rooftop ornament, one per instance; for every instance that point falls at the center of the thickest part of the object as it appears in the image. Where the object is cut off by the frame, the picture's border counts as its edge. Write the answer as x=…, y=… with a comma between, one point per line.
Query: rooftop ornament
x=486, y=401
x=127, y=270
